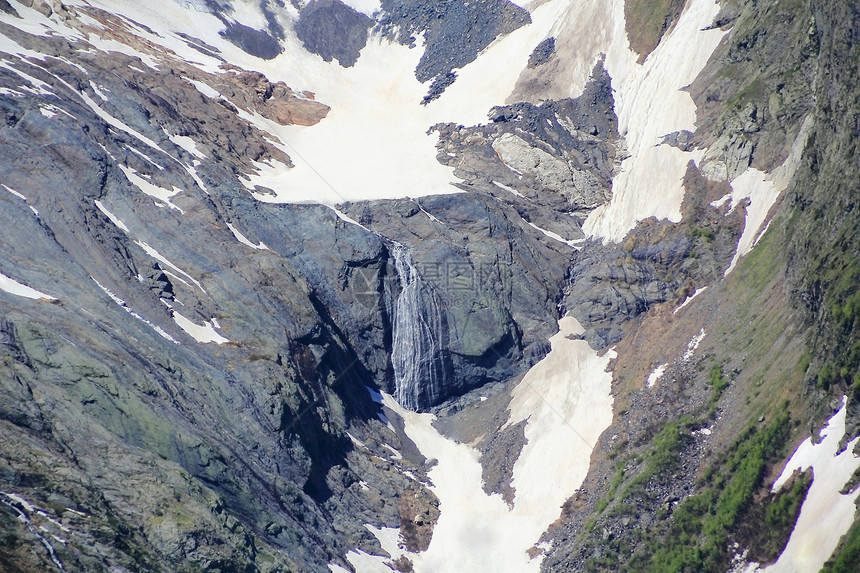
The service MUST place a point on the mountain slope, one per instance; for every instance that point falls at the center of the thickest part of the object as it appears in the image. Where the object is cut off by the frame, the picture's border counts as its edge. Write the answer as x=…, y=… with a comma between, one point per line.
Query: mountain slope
x=425, y=286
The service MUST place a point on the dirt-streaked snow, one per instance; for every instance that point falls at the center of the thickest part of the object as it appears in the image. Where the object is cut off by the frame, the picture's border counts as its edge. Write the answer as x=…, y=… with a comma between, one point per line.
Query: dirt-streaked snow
x=811, y=544
x=650, y=103
x=689, y=299
x=201, y=333
x=762, y=190
x=566, y=400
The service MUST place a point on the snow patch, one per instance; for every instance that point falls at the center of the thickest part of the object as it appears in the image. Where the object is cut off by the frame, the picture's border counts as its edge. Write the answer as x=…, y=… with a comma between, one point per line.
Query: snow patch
x=145, y=157
x=693, y=345
x=185, y=143
x=509, y=189
x=555, y=236
x=113, y=218
x=566, y=400
x=15, y=193
x=367, y=7
x=122, y=304
x=762, y=190
x=10, y=285
x=395, y=455
x=344, y=217
x=389, y=539
x=99, y=91
x=154, y=191
x=367, y=563
x=826, y=515
x=690, y=298
x=245, y=241
x=204, y=88
x=655, y=375
x=650, y=102
x=201, y=333
x=115, y=123
x=162, y=259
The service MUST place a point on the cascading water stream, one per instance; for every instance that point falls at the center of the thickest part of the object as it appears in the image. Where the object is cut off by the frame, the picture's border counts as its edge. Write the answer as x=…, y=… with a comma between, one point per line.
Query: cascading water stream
x=420, y=358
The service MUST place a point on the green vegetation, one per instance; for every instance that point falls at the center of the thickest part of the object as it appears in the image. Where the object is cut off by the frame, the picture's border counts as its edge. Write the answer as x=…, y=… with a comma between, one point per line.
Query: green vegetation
x=647, y=20
x=848, y=555
x=699, y=533
x=717, y=383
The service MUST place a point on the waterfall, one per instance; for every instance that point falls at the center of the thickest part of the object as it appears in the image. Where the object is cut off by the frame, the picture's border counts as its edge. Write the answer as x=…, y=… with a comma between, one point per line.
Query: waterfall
x=422, y=364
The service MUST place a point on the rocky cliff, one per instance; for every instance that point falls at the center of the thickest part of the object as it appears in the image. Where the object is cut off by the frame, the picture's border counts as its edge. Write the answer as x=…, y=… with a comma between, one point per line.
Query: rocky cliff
x=570, y=328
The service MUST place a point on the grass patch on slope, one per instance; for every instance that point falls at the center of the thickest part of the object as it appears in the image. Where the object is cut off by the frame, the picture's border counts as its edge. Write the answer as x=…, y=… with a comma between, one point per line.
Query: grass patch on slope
x=647, y=20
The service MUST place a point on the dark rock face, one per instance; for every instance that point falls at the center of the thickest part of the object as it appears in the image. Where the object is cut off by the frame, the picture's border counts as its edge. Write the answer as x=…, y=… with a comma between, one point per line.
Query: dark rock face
x=683, y=140
x=256, y=42
x=496, y=283
x=332, y=29
x=556, y=157
x=238, y=452
x=6, y=7
x=659, y=262
x=9, y=339
x=455, y=31
x=542, y=53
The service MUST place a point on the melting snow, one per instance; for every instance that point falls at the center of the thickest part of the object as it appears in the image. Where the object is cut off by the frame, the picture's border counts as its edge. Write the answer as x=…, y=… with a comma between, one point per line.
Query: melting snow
x=15, y=193
x=811, y=543
x=201, y=333
x=185, y=143
x=555, y=236
x=115, y=123
x=99, y=91
x=145, y=157
x=344, y=217
x=395, y=455
x=367, y=7
x=204, y=88
x=762, y=190
x=13, y=501
x=690, y=298
x=509, y=189
x=566, y=400
x=693, y=345
x=162, y=259
x=650, y=103
x=656, y=374
x=244, y=240
x=160, y=331
x=10, y=285
x=154, y=191
x=113, y=218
